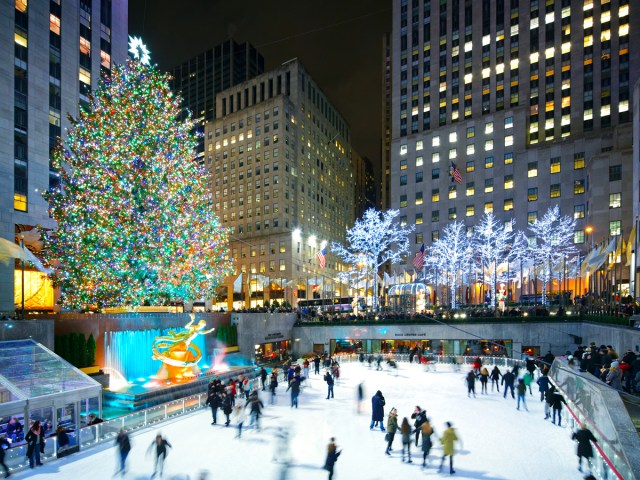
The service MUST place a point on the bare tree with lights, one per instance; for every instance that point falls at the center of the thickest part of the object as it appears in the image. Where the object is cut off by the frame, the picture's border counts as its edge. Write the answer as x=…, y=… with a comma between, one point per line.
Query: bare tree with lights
x=551, y=243
x=375, y=238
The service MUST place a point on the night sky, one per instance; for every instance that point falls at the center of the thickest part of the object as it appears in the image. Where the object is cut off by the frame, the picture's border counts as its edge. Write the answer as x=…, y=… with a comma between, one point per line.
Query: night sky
x=338, y=41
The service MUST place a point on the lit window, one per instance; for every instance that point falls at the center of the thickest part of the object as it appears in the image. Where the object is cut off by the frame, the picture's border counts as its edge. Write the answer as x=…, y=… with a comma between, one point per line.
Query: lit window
x=488, y=145
x=508, y=205
x=566, y=11
x=578, y=187
x=435, y=141
x=549, y=52
x=403, y=149
x=532, y=169
x=488, y=162
x=488, y=128
x=418, y=198
x=85, y=46
x=471, y=189
x=605, y=110
x=566, y=47
x=418, y=219
x=623, y=106
x=488, y=185
x=554, y=190
x=486, y=40
x=488, y=207
x=486, y=72
x=403, y=164
x=605, y=35
x=499, y=68
x=471, y=166
x=532, y=217
x=532, y=194
x=403, y=221
x=533, y=58
x=578, y=211
x=508, y=158
x=468, y=78
x=471, y=149
x=21, y=5
x=471, y=132
x=20, y=202
x=419, y=145
x=468, y=46
x=578, y=236
x=54, y=24
x=471, y=210
x=435, y=195
x=615, y=200
x=105, y=59
x=548, y=18
x=435, y=157
x=20, y=39
x=555, y=165
x=624, y=11
x=508, y=140
x=508, y=182
x=452, y=191
x=453, y=137
x=85, y=76
x=435, y=235
x=453, y=153
x=614, y=228
x=514, y=63
x=418, y=161
x=452, y=213
x=508, y=122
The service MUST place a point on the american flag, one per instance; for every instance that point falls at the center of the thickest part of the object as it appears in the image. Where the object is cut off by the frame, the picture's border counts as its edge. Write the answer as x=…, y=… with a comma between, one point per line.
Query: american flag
x=322, y=257
x=455, y=174
x=418, y=260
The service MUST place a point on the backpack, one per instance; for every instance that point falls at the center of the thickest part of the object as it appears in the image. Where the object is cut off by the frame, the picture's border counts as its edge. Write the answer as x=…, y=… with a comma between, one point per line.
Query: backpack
x=426, y=428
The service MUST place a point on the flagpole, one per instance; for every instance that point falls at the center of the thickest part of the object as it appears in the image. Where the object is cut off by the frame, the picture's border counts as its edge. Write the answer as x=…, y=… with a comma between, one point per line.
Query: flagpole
x=22, y=265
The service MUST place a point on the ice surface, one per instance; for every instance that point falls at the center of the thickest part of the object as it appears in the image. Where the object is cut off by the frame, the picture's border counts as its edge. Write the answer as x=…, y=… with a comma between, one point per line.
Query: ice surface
x=498, y=442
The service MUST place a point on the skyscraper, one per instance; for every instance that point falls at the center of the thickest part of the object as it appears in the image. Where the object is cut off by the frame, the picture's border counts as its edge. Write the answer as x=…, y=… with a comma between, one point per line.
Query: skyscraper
x=529, y=101
x=202, y=77
x=51, y=56
x=279, y=154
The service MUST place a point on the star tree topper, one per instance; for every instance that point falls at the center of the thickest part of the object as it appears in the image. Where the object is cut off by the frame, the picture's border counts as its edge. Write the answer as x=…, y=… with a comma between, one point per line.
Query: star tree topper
x=139, y=50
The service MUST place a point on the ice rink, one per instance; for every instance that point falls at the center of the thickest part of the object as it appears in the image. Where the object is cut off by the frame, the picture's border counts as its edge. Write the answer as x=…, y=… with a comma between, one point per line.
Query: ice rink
x=498, y=442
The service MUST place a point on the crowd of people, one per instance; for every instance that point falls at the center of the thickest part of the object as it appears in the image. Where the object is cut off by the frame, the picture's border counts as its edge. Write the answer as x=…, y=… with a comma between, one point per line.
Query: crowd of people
x=604, y=362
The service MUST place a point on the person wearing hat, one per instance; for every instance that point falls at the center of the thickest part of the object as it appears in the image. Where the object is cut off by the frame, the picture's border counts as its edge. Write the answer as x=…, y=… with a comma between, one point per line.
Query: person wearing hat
x=614, y=377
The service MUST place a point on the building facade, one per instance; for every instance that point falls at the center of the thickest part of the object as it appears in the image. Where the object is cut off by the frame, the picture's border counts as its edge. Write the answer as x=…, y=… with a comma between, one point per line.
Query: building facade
x=531, y=103
x=279, y=155
x=52, y=55
x=385, y=143
x=202, y=77
x=364, y=184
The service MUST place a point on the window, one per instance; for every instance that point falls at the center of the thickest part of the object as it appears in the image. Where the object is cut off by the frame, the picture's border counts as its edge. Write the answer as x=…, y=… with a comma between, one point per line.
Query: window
x=532, y=194
x=418, y=161
x=418, y=198
x=403, y=221
x=403, y=180
x=532, y=217
x=488, y=207
x=578, y=211
x=578, y=161
x=435, y=216
x=435, y=141
x=578, y=236
x=555, y=165
x=419, y=145
x=508, y=122
x=419, y=238
x=488, y=145
x=452, y=191
x=452, y=213
x=403, y=164
x=615, y=173
x=470, y=189
x=578, y=187
x=614, y=228
x=488, y=128
x=471, y=210
x=418, y=218
x=471, y=166
x=508, y=158
x=453, y=153
x=615, y=200
x=435, y=235
x=283, y=265
x=508, y=182
x=419, y=176
x=435, y=157
x=488, y=185
x=554, y=190
x=471, y=149
x=435, y=195
x=508, y=140
x=403, y=149
x=508, y=205
x=532, y=169
x=471, y=132
x=488, y=162
x=403, y=201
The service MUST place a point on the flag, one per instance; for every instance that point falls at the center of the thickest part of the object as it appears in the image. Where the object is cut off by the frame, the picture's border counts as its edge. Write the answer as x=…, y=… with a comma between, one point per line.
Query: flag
x=322, y=257
x=631, y=245
x=455, y=174
x=418, y=260
x=10, y=250
x=237, y=284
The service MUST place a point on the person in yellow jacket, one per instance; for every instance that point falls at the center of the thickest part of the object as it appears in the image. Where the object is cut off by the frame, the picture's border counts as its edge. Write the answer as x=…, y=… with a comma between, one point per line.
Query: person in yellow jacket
x=448, y=437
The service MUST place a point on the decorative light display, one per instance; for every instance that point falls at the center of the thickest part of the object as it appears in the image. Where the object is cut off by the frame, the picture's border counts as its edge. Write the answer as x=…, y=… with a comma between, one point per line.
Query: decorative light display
x=135, y=215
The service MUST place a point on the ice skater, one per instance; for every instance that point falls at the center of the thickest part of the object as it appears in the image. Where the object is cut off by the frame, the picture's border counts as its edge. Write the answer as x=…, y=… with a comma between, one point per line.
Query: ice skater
x=329, y=379
x=239, y=416
x=471, y=383
x=392, y=428
x=522, y=392
x=584, y=437
x=405, y=431
x=124, y=447
x=448, y=438
x=332, y=457
x=508, y=380
x=159, y=446
x=495, y=378
x=377, y=411
x=427, y=431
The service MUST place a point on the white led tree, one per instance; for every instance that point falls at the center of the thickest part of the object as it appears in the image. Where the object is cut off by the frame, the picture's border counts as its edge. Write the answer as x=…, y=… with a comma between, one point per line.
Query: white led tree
x=375, y=238
x=450, y=255
x=551, y=242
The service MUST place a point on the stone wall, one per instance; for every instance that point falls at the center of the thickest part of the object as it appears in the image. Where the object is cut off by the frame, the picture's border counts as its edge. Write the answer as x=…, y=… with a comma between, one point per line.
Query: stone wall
x=40, y=330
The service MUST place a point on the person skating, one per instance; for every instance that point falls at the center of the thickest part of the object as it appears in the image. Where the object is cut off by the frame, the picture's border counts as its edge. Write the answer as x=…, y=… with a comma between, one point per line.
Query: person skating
x=316, y=365
x=484, y=379
x=556, y=403
x=273, y=384
x=263, y=378
x=124, y=447
x=294, y=386
x=508, y=380
x=227, y=407
x=159, y=447
x=405, y=431
x=377, y=410
x=522, y=391
x=392, y=428
x=332, y=457
x=495, y=378
x=239, y=416
x=584, y=437
x=420, y=416
x=543, y=385
x=213, y=400
x=4, y=445
x=426, y=430
x=471, y=383
x=35, y=444
x=448, y=438
x=527, y=379
x=329, y=379
x=255, y=408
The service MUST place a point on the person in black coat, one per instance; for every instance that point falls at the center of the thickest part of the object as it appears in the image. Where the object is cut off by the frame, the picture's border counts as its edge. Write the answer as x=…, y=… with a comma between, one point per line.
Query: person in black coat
x=273, y=384
x=159, y=446
x=471, y=383
x=4, y=445
x=63, y=438
x=35, y=443
x=329, y=379
x=377, y=411
x=332, y=457
x=316, y=364
x=420, y=417
x=495, y=378
x=294, y=386
x=124, y=447
x=508, y=380
x=556, y=403
x=227, y=407
x=263, y=378
x=255, y=408
x=584, y=438
x=214, y=402
x=543, y=385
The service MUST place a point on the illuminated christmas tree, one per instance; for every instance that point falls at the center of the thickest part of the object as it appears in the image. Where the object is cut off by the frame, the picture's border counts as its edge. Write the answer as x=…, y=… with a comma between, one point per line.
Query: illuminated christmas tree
x=134, y=212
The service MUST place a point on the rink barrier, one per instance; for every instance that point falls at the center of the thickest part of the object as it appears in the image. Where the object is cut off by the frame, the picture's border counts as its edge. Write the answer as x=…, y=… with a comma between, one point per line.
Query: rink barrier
x=107, y=431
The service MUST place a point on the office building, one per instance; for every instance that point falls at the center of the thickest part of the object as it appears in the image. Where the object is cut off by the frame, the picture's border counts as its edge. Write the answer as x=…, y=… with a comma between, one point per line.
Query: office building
x=279, y=154
x=385, y=143
x=364, y=184
x=530, y=101
x=202, y=77
x=53, y=53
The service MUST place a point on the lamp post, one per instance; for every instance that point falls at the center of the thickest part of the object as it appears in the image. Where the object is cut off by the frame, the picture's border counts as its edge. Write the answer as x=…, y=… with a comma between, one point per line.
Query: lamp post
x=22, y=265
x=589, y=232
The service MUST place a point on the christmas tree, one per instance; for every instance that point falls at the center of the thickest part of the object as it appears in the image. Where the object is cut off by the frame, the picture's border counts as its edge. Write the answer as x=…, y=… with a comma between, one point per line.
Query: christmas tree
x=134, y=213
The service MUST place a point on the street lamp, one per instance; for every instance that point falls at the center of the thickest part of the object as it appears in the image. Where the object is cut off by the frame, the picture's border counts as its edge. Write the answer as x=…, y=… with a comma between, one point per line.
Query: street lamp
x=589, y=231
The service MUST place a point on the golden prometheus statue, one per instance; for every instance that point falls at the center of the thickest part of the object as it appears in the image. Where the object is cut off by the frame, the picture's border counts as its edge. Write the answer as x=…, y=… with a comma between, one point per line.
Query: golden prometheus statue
x=178, y=355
